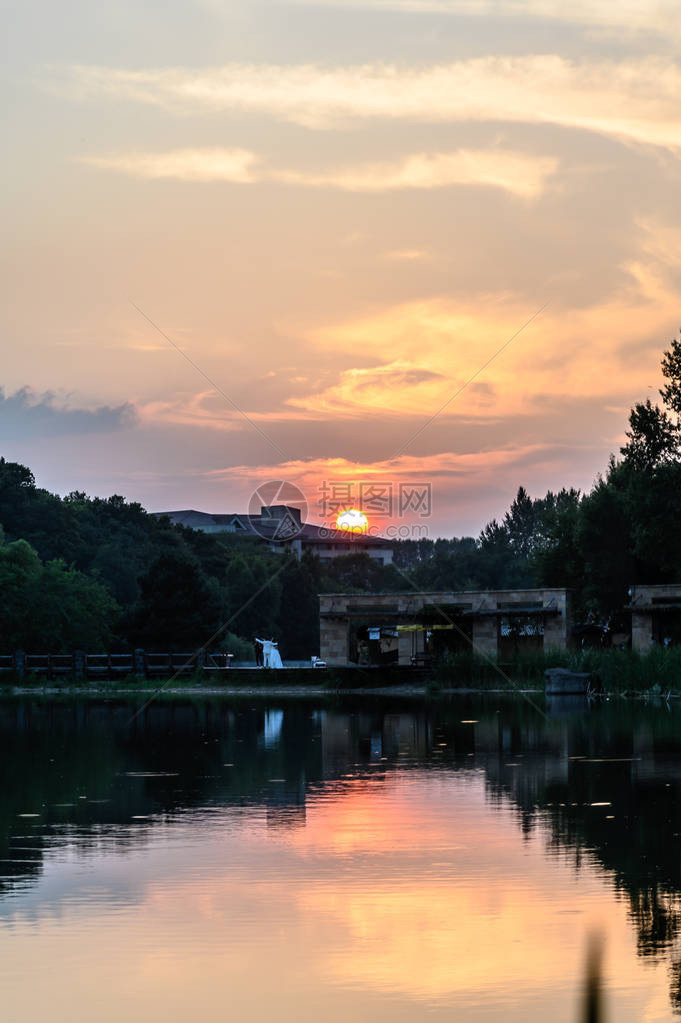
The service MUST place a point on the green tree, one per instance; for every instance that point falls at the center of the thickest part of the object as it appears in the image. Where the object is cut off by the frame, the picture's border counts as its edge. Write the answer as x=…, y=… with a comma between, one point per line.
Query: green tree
x=501, y=566
x=73, y=611
x=253, y=594
x=359, y=573
x=452, y=565
x=50, y=607
x=605, y=542
x=558, y=560
x=177, y=610
x=671, y=370
x=15, y=477
x=298, y=619
x=522, y=523
x=653, y=437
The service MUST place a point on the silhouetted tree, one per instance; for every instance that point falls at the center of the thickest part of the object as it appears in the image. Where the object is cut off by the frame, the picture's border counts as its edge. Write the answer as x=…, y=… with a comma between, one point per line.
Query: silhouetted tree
x=653, y=437
x=50, y=607
x=298, y=619
x=177, y=608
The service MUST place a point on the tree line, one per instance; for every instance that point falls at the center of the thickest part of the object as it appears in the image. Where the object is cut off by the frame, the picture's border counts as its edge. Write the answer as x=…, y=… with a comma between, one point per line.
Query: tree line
x=94, y=573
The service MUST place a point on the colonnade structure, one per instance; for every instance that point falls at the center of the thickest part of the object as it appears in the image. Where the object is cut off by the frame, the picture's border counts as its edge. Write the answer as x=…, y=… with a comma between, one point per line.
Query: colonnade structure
x=412, y=628
x=655, y=615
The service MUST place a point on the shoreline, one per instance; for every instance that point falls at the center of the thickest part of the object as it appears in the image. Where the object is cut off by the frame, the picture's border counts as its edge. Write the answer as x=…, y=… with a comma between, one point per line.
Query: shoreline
x=404, y=691
x=261, y=691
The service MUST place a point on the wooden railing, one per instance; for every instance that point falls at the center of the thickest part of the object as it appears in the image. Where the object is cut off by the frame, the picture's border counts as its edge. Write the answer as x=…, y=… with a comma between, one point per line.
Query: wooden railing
x=141, y=663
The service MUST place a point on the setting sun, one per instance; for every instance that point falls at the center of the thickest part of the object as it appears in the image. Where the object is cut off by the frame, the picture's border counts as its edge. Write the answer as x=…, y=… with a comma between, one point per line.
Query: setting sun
x=353, y=519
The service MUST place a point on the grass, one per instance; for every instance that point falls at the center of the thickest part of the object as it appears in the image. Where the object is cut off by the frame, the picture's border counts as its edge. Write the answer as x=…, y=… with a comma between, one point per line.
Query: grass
x=658, y=670
x=232, y=679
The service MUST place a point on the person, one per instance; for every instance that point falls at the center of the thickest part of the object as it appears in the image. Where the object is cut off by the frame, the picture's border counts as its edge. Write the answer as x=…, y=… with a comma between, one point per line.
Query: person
x=264, y=653
x=275, y=656
x=257, y=648
x=270, y=653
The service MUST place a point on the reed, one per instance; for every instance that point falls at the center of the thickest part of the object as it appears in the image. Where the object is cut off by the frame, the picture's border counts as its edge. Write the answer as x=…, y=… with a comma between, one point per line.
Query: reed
x=592, y=999
x=656, y=671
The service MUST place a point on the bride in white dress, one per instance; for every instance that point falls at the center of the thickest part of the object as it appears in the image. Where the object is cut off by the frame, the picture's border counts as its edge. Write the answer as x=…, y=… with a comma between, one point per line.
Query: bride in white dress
x=270, y=653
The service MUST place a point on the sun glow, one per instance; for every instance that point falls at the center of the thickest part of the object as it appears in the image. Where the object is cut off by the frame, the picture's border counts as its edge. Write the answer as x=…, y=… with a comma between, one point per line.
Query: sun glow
x=352, y=519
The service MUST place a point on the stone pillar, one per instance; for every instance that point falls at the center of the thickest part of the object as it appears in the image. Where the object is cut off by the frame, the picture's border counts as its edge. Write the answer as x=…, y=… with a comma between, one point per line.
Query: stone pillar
x=79, y=663
x=140, y=662
x=641, y=631
x=404, y=647
x=333, y=641
x=556, y=632
x=558, y=628
x=485, y=636
x=20, y=663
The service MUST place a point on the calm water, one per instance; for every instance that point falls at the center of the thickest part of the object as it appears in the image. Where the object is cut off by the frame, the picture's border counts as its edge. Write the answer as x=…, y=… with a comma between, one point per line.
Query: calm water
x=221, y=860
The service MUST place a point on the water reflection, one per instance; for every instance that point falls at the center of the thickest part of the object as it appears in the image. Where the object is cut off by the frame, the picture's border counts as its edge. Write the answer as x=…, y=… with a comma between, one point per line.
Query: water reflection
x=451, y=857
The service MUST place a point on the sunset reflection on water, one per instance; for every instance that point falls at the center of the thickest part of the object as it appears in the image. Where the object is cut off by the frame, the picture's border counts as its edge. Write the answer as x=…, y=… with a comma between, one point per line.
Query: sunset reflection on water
x=345, y=869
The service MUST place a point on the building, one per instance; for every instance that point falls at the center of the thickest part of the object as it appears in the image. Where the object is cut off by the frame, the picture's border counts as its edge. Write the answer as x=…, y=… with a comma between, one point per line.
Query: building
x=655, y=615
x=281, y=528
x=412, y=628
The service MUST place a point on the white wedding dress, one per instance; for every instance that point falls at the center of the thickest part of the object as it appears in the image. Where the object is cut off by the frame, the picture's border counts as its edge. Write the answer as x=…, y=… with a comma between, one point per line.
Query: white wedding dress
x=275, y=657
x=270, y=653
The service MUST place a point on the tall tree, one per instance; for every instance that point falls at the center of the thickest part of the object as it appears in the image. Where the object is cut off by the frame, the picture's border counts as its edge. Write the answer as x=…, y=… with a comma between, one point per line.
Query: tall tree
x=177, y=609
x=653, y=437
x=671, y=370
x=50, y=607
x=253, y=595
x=298, y=619
x=558, y=560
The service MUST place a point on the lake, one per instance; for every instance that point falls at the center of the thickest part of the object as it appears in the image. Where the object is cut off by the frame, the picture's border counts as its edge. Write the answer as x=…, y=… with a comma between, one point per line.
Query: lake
x=356, y=860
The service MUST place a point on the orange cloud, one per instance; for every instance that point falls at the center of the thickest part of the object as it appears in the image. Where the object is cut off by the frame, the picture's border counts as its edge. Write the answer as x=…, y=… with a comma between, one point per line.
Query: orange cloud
x=634, y=16
x=429, y=351
x=407, y=255
x=456, y=481
x=209, y=164
x=412, y=359
x=633, y=100
x=520, y=174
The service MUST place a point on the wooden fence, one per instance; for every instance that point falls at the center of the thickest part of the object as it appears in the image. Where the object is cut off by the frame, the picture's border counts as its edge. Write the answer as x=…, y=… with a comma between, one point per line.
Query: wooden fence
x=80, y=665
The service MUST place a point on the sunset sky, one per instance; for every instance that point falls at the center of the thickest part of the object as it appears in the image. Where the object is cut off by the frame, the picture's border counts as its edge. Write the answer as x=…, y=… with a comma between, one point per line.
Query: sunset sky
x=339, y=210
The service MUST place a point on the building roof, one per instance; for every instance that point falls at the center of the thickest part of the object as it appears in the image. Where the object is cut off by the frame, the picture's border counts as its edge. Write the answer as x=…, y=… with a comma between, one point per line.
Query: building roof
x=444, y=593
x=270, y=528
x=322, y=534
x=197, y=519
